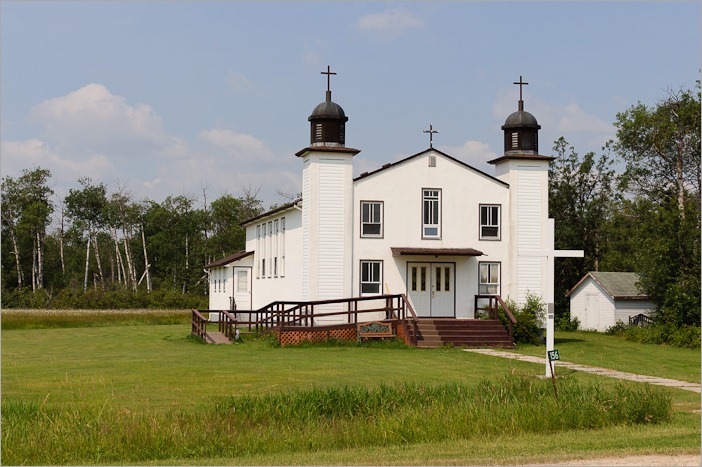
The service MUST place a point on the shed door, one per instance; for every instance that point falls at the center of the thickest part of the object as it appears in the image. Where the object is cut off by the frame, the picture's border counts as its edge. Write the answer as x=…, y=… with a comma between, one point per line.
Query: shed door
x=592, y=311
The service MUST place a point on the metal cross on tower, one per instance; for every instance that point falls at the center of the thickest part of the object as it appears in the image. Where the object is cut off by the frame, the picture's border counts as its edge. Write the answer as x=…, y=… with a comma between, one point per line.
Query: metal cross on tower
x=431, y=132
x=328, y=73
x=520, y=83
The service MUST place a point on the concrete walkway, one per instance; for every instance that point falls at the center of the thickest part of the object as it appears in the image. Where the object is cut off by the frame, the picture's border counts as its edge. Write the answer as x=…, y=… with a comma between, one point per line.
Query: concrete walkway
x=694, y=387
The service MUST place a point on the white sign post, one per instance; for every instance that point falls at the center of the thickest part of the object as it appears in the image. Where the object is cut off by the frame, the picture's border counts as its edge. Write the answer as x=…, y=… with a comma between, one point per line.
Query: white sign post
x=551, y=254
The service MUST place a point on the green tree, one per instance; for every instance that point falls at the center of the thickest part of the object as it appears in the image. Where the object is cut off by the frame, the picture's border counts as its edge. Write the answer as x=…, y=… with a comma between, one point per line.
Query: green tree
x=86, y=207
x=27, y=209
x=228, y=236
x=661, y=148
x=582, y=196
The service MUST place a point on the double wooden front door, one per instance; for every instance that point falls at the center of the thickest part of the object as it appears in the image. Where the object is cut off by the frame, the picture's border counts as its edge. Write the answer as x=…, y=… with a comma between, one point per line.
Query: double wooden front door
x=431, y=288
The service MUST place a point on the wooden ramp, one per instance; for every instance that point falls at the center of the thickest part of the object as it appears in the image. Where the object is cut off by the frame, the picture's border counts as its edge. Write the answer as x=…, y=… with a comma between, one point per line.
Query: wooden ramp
x=218, y=338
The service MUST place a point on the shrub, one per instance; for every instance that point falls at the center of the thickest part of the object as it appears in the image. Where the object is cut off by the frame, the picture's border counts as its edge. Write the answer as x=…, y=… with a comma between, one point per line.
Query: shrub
x=661, y=332
x=530, y=319
x=618, y=329
x=564, y=323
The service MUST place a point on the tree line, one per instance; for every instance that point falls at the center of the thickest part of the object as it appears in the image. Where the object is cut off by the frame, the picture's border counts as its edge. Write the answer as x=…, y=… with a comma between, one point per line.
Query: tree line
x=110, y=241
x=644, y=218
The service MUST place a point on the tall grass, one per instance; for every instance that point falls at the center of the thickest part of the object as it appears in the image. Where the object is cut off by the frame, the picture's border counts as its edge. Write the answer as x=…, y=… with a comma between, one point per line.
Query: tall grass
x=335, y=417
x=45, y=319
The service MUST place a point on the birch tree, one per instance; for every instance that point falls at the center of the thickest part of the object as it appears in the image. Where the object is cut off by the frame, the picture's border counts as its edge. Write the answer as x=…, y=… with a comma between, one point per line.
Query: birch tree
x=27, y=210
x=86, y=208
x=661, y=148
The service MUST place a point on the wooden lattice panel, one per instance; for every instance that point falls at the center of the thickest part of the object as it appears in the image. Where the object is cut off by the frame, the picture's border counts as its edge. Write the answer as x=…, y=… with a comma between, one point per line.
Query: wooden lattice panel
x=292, y=337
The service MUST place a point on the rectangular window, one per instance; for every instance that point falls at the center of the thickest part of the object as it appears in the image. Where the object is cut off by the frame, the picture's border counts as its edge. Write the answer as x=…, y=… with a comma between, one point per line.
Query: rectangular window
x=281, y=265
x=242, y=284
x=489, y=279
x=258, y=251
x=264, y=239
x=276, y=241
x=269, y=247
x=371, y=277
x=372, y=219
x=489, y=222
x=431, y=213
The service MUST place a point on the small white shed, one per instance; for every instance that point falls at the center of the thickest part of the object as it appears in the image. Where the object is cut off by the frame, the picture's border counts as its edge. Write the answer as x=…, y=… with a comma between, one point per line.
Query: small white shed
x=600, y=299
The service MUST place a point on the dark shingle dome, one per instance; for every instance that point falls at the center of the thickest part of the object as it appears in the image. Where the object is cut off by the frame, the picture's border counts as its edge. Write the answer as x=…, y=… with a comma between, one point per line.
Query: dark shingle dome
x=328, y=109
x=521, y=118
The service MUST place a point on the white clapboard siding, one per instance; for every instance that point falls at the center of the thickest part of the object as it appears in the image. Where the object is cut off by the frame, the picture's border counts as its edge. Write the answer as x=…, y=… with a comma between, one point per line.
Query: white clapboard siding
x=307, y=197
x=530, y=222
x=331, y=229
x=529, y=210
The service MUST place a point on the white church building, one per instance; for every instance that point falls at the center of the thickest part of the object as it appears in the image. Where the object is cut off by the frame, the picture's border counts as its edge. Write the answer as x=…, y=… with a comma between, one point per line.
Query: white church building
x=428, y=226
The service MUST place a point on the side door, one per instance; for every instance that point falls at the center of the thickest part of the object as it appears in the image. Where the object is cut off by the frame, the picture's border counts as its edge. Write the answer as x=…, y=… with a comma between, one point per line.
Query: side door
x=242, y=288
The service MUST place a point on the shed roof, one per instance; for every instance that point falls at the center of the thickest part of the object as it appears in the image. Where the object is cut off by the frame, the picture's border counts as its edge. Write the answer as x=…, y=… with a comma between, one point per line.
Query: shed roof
x=619, y=285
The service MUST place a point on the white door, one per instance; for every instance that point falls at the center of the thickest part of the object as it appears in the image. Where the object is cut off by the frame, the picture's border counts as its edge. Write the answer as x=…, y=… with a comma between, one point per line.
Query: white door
x=442, y=293
x=242, y=288
x=431, y=289
x=592, y=311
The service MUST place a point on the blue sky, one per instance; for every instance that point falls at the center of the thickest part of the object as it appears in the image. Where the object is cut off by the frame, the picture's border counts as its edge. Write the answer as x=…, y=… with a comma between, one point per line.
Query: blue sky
x=167, y=97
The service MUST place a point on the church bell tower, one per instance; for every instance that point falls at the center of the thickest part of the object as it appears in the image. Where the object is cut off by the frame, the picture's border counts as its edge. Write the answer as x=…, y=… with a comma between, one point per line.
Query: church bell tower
x=327, y=204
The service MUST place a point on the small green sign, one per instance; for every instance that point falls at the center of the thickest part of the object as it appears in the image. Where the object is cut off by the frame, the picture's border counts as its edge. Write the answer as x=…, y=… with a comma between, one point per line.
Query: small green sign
x=553, y=355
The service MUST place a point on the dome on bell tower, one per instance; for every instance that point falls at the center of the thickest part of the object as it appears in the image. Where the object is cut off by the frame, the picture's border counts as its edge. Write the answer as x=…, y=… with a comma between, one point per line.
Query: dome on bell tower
x=521, y=129
x=328, y=121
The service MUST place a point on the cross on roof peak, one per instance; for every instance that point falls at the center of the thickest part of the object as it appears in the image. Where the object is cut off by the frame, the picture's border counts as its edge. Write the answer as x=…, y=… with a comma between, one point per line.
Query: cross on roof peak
x=431, y=132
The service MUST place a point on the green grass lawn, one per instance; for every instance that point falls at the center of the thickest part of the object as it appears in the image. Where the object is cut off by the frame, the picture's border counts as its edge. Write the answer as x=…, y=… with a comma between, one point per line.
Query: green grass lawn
x=597, y=349
x=155, y=370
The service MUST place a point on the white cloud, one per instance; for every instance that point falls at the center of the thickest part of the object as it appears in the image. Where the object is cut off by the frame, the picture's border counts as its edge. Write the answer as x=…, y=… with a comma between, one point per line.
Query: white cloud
x=93, y=132
x=237, y=144
x=92, y=118
x=65, y=171
x=237, y=81
x=473, y=153
x=393, y=21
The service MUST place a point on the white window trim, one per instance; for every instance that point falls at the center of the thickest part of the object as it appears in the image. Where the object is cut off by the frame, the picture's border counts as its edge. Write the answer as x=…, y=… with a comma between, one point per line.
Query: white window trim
x=489, y=265
x=281, y=265
x=434, y=200
x=380, y=221
x=377, y=280
x=498, y=224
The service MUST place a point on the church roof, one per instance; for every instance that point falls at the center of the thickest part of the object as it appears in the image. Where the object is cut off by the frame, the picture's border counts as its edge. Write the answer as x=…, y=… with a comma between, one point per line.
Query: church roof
x=328, y=109
x=393, y=164
x=284, y=207
x=522, y=156
x=521, y=118
x=229, y=259
x=618, y=285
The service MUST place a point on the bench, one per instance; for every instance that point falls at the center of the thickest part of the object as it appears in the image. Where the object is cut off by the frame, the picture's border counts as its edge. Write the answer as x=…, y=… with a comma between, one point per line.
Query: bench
x=373, y=329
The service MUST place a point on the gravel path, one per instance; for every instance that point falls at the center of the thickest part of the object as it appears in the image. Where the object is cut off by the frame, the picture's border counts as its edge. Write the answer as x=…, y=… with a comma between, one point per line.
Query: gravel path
x=694, y=387
x=654, y=459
